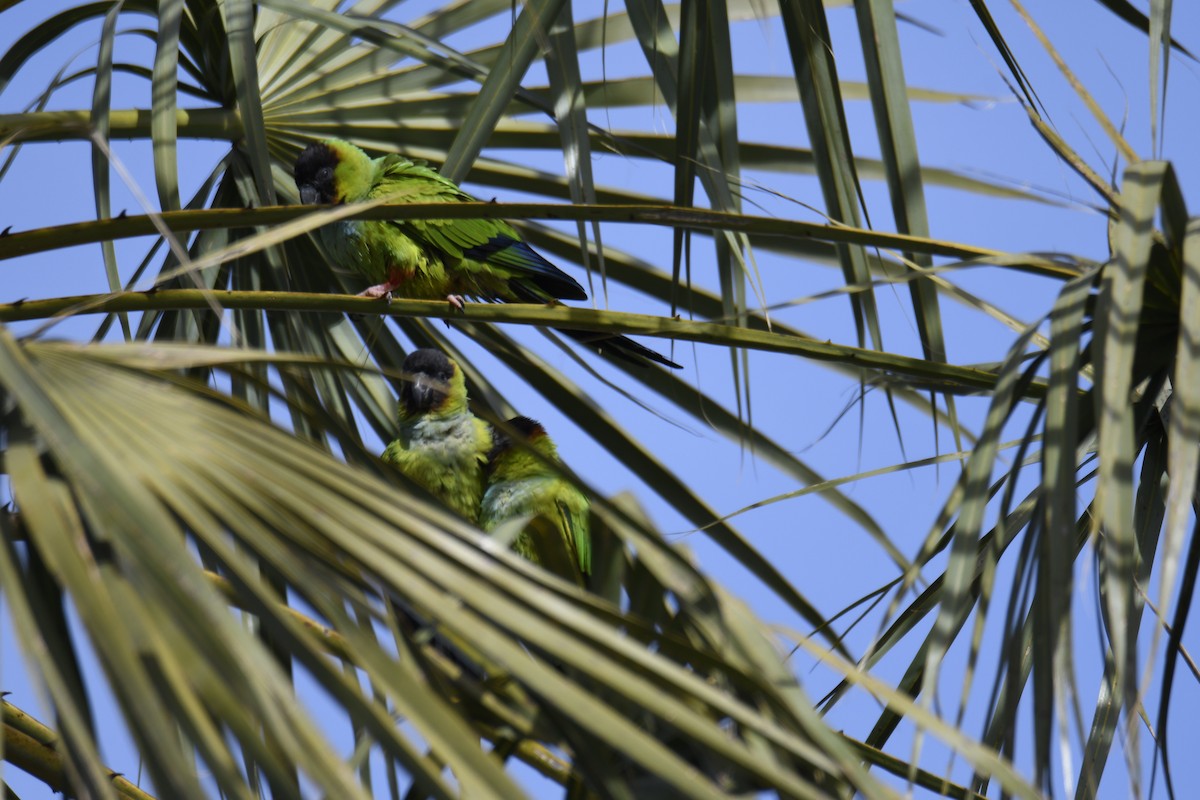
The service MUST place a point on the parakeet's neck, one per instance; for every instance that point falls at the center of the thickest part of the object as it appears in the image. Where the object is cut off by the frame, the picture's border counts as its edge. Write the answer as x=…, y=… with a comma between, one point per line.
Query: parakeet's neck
x=451, y=407
x=355, y=179
x=520, y=462
x=355, y=173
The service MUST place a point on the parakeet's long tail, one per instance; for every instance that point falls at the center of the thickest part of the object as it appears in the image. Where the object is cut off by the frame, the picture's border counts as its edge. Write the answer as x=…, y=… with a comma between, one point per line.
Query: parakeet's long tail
x=621, y=347
x=605, y=343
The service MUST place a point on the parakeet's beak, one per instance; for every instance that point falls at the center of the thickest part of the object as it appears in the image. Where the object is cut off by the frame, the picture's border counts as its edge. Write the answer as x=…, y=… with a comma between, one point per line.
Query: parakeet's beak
x=308, y=194
x=426, y=392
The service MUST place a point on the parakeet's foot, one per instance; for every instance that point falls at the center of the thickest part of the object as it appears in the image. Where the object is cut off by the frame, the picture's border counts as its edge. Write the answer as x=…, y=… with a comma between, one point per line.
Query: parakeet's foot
x=456, y=304
x=380, y=290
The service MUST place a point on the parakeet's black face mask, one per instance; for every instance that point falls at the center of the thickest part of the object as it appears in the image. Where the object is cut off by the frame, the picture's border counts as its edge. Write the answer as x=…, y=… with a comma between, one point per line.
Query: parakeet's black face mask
x=314, y=174
x=427, y=381
x=526, y=429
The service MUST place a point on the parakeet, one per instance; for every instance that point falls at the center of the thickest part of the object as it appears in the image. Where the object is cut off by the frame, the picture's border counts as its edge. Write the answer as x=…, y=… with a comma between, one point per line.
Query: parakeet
x=520, y=484
x=430, y=259
x=442, y=445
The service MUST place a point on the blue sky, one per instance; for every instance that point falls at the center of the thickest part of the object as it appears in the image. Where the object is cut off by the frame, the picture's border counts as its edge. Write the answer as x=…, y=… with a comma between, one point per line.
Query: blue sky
x=800, y=403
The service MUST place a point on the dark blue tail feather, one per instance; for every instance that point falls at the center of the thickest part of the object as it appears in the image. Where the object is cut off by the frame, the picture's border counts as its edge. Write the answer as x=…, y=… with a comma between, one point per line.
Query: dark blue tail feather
x=515, y=254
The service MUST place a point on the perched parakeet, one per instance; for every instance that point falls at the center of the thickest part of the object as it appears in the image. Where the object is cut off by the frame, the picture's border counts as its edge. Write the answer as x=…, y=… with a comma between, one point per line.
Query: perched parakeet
x=442, y=445
x=431, y=259
x=520, y=484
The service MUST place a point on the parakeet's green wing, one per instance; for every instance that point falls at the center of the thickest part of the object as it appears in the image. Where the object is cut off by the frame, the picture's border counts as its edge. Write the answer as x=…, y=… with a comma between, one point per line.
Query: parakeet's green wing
x=573, y=522
x=487, y=257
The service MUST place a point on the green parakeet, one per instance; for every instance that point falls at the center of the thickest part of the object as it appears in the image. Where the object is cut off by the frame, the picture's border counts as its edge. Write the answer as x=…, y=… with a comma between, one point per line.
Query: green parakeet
x=520, y=484
x=430, y=259
x=442, y=446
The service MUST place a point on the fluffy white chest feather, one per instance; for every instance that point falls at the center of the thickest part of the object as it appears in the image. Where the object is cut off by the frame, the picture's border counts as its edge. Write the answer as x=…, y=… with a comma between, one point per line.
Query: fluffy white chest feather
x=509, y=499
x=450, y=441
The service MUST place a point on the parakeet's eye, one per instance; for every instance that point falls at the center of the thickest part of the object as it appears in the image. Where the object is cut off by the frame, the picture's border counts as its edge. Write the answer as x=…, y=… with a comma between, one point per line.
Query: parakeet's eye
x=324, y=174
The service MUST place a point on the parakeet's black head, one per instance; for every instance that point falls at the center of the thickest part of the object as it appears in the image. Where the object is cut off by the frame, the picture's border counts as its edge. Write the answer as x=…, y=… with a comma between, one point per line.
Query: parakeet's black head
x=333, y=171
x=314, y=173
x=530, y=431
x=433, y=383
x=528, y=428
